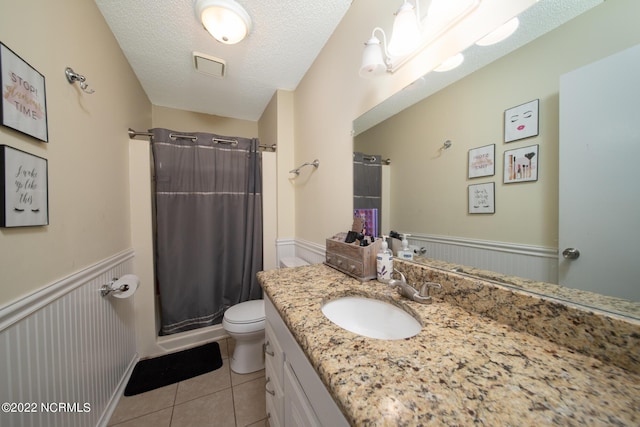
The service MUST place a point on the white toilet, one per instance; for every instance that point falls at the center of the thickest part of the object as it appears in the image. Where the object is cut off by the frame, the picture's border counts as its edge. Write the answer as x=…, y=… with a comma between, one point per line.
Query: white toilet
x=245, y=322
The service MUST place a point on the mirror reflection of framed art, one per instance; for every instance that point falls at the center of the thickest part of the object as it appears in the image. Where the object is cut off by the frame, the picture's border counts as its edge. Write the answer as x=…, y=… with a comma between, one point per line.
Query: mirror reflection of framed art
x=521, y=164
x=522, y=121
x=482, y=161
x=482, y=199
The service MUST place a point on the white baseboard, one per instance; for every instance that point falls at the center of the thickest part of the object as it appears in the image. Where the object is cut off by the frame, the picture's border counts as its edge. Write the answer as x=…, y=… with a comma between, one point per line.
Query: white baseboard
x=118, y=392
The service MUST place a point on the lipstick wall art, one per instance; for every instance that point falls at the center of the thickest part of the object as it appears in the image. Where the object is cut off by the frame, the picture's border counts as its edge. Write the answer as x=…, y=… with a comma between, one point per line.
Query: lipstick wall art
x=522, y=121
x=521, y=165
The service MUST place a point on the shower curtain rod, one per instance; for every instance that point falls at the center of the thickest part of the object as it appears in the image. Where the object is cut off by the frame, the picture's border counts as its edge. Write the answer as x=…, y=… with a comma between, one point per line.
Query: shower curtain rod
x=133, y=134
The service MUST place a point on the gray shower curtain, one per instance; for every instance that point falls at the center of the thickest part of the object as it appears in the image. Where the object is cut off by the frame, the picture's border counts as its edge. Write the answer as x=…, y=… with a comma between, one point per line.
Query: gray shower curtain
x=208, y=203
x=367, y=183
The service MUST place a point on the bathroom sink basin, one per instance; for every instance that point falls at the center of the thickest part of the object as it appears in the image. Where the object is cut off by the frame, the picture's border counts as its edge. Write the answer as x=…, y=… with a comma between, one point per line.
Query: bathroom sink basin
x=371, y=318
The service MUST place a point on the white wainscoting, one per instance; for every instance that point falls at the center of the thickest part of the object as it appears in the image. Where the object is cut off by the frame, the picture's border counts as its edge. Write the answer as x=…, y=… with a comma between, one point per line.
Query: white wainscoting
x=66, y=352
x=533, y=262
x=308, y=251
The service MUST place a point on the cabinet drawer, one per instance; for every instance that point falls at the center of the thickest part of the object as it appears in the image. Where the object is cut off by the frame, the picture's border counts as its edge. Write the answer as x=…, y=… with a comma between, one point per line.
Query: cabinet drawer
x=273, y=352
x=347, y=265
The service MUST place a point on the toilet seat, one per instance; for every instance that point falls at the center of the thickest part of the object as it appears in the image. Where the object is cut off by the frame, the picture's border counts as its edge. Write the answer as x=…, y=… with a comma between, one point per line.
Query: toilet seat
x=245, y=317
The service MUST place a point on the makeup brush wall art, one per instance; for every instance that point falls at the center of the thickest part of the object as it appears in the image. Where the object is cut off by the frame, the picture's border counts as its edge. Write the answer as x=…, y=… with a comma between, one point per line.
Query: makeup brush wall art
x=521, y=165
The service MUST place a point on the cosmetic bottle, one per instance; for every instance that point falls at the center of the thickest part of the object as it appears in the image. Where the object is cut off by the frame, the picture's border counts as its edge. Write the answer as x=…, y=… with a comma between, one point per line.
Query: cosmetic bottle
x=384, y=262
x=405, y=253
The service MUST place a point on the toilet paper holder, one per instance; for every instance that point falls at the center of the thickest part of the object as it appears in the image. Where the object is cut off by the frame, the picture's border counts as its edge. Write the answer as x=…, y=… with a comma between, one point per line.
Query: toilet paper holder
x=120, y=287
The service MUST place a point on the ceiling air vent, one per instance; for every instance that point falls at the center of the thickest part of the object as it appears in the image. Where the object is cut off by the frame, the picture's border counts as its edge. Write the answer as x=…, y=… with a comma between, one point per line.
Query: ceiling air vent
x=209, y=64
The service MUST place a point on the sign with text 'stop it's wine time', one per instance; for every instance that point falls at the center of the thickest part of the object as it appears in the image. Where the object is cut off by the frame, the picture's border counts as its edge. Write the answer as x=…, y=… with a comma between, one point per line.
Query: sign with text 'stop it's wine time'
x=24, y=106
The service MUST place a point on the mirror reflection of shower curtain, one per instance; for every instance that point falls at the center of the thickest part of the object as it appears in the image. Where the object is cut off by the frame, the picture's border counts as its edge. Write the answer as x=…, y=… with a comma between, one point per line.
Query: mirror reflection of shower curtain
x=367, y=183
x=208, y=242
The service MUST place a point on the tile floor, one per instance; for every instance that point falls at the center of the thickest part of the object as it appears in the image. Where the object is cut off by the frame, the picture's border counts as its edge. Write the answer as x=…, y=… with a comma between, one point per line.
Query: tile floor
x=218, y=398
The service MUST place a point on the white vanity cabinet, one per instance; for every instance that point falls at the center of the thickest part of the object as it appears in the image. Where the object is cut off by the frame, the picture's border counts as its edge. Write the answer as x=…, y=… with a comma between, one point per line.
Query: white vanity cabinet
x=295, y=394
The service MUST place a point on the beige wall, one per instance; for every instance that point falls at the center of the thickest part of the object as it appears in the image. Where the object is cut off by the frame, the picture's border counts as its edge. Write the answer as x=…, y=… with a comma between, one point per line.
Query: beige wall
x=469, y=113
x=276, y=127
x=88, y=144
x=268, y=134
x=188, y=121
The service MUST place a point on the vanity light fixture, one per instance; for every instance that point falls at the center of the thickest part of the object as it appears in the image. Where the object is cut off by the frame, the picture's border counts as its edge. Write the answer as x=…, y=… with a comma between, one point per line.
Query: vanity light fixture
x=444, y=21
x=500, y=33
x=410, y=35
x=374, y=62
x=405, y=38
x=225, y=20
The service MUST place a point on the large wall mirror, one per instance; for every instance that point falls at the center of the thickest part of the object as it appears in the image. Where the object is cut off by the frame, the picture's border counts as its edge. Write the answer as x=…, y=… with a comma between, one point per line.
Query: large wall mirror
x=430, y=130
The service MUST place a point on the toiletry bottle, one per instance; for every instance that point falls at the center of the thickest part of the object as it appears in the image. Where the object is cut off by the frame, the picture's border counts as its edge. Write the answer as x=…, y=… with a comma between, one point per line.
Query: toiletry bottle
x=384, y=262
x=406, y=252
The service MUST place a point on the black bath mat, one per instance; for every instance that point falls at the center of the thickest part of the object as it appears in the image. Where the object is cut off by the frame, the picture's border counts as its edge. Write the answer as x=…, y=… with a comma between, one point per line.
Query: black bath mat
x=160, y=371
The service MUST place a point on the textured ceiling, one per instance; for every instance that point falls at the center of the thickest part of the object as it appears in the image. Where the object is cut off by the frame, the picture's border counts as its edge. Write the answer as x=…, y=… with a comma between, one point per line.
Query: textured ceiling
x=158, y=38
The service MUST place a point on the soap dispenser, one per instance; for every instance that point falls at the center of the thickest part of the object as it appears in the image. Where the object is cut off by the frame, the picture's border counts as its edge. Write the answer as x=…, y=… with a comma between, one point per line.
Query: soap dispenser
x=405, y=253
x=384, y=262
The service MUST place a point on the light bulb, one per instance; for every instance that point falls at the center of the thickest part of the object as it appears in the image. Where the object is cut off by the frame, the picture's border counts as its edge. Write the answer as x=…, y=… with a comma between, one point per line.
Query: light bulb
x=406, y=34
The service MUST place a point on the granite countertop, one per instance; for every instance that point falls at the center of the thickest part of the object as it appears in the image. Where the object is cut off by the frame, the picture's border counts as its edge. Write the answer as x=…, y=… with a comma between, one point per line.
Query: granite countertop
x=584, y=298
x=461, y=369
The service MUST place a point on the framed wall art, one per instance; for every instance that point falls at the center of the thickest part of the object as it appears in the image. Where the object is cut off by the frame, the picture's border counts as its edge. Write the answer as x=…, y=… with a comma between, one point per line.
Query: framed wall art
x=482, y=161
x=521, y=164
x=482, y=198
x=24, y=197
x=24, y=105
x=522, y=121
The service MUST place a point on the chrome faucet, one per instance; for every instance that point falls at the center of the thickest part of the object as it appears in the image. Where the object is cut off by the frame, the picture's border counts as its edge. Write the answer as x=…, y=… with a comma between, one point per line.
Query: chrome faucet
x=408, y=291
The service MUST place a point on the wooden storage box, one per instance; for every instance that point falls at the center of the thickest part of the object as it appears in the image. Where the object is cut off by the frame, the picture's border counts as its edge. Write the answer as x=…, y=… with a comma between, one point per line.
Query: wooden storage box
x=352, y=259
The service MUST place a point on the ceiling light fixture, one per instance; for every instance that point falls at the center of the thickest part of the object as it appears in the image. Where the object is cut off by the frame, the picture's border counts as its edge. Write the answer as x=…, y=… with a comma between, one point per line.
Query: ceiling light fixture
x=225, y=20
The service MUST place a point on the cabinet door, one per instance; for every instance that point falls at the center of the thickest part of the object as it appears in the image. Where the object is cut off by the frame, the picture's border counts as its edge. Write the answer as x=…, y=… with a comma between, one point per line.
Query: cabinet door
x=275, y=400
x=274, y=390
x=297, y=409
x=303, y=382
